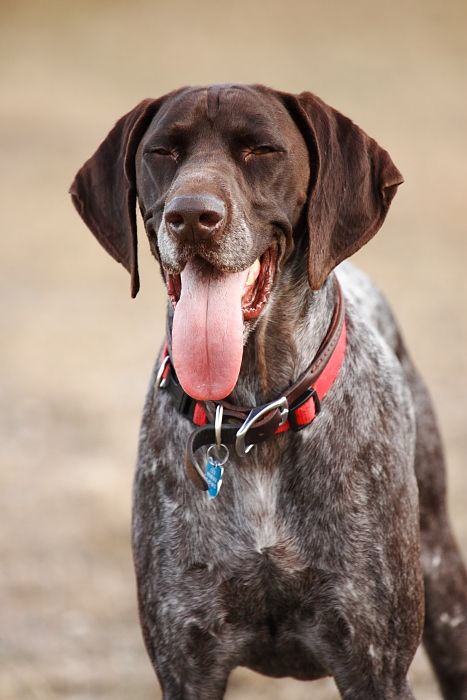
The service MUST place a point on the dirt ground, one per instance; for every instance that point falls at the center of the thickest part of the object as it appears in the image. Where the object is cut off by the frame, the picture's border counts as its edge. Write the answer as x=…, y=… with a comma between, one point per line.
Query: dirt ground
x=76, y=352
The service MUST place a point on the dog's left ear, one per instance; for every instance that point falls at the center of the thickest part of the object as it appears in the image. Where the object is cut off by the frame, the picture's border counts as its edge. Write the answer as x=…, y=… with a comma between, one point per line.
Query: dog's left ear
x=104, y=189
x=352, y=183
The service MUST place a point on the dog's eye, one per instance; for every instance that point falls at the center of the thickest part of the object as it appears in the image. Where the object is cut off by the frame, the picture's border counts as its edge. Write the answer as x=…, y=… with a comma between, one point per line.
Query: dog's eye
x=258, y=151
x=261, y=150
x=160, y=151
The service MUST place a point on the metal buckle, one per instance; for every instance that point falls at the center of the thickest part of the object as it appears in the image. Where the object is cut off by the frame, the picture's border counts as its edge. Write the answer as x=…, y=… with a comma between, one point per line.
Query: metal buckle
x=161, y=381
x=254, y=415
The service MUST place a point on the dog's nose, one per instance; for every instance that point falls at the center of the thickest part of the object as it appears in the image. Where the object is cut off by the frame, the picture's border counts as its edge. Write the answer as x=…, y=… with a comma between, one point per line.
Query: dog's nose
x=191, y=218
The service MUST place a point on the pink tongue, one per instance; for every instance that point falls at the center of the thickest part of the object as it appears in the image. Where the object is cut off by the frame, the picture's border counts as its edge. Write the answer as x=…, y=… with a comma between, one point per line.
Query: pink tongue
x=207, y=333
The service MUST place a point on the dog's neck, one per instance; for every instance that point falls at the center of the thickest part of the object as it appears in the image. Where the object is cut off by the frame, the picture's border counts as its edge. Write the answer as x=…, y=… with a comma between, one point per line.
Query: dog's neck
x=286, y=338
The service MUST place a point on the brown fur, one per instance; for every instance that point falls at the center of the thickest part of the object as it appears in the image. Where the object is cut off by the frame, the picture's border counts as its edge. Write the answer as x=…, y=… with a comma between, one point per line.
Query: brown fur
x=311, y=562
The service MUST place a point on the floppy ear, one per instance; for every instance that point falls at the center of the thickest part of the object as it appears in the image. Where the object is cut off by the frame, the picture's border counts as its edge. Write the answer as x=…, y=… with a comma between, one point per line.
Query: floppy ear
x=352, y=183
x=104, y=189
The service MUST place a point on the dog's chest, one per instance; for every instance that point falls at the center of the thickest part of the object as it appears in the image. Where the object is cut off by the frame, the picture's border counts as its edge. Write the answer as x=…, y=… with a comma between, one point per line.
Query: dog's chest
x=251, y=565
x=253, y=507
x=258, y=510
x=267, y=588
x=254, y=543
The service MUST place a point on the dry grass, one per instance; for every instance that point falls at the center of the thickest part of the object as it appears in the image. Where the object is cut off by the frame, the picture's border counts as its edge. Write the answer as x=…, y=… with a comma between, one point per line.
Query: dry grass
x=77, y=353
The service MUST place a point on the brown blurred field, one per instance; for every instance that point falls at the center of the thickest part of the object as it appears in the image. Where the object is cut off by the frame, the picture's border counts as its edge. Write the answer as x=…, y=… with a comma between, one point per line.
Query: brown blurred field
x=76, y=352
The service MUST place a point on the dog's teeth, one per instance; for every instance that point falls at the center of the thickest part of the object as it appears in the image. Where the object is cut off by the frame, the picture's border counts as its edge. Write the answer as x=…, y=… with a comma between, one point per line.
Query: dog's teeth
x=253, y=273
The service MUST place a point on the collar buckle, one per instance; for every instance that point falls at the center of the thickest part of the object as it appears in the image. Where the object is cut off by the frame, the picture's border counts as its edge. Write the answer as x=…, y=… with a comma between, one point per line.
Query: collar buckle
x=253, y=417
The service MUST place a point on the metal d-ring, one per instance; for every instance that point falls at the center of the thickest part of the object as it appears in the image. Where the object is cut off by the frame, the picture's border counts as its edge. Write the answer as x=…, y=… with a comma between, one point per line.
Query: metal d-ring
x=216, y=449
x=218, y=424
x=161, y=381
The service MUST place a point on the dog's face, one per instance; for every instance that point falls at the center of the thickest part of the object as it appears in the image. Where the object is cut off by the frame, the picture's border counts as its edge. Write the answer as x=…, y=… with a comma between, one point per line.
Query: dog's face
x=222, y=175
x=227, y=177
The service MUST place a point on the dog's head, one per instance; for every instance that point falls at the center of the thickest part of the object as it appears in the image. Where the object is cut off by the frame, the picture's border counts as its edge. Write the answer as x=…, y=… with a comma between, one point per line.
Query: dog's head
x=228, y=178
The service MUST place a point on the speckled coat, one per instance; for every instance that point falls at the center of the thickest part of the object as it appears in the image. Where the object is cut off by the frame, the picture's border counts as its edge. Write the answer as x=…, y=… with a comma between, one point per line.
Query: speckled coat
x=328, y=551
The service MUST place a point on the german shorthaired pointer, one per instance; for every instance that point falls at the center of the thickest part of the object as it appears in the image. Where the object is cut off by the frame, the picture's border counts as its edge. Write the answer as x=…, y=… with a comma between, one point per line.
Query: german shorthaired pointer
x=328, y=550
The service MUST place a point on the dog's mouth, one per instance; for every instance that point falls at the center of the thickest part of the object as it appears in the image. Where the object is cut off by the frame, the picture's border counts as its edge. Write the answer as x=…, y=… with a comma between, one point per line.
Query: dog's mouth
x=210, y=308
x=256, y=290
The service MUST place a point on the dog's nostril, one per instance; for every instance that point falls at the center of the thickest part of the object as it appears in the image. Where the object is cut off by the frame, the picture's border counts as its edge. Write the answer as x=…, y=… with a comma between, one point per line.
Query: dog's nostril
x=210, y=218
x=174, y=218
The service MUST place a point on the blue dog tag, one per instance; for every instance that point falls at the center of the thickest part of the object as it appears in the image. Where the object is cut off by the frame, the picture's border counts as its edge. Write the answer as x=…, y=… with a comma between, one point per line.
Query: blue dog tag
x=217, y=457
x=214, y=474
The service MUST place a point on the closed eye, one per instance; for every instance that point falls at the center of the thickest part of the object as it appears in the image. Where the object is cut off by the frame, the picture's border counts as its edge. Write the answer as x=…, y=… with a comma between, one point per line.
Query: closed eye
x=161, y=151
x=261, y=150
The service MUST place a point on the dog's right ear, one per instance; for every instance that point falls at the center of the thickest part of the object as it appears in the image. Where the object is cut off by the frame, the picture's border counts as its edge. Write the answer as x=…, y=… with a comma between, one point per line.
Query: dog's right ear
x=104, y=189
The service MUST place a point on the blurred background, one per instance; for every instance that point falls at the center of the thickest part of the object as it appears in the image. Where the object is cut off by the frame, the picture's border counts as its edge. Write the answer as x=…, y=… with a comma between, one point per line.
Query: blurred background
x=76, y=352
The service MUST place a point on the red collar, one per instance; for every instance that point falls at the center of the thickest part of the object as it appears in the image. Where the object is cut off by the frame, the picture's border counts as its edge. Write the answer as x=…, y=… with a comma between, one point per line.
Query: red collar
x=296, y=408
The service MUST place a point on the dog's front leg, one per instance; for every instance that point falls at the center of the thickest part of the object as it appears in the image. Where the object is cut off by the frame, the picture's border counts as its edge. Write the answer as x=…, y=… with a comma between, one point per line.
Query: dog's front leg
x=190, y=664
x=190, y=656
x=182, y=616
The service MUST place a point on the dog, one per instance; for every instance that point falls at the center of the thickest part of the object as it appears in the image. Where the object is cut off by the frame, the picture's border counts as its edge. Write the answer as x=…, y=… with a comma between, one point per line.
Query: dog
x=289, y=498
